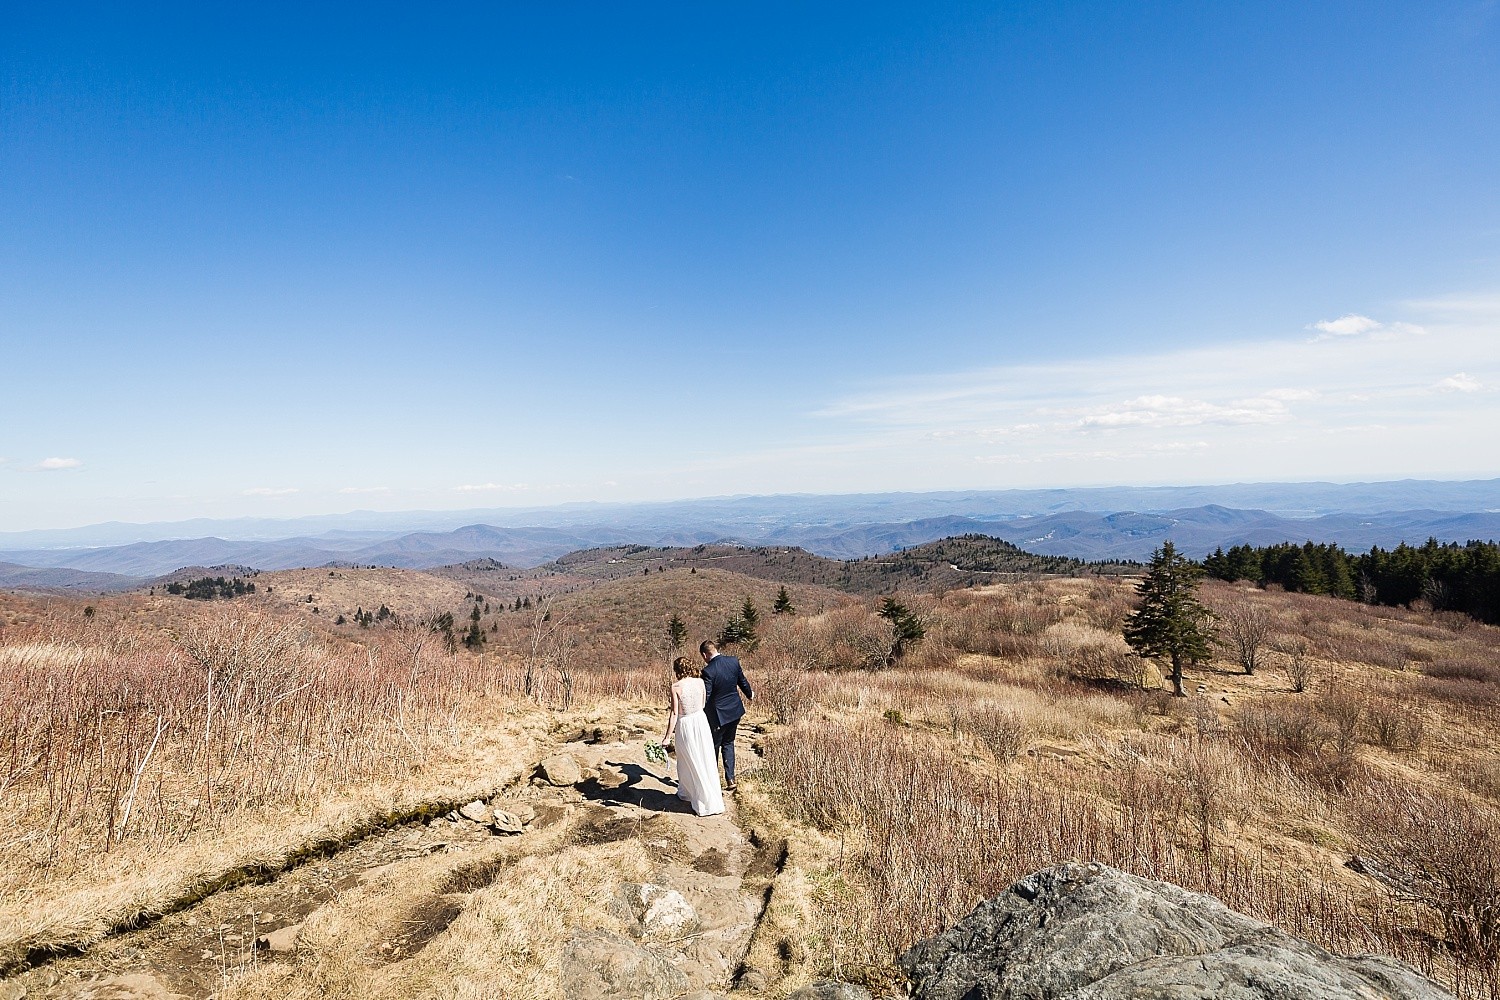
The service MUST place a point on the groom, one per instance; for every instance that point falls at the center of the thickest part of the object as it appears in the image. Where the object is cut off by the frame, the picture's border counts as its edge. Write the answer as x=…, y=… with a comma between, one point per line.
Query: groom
x=723, y=680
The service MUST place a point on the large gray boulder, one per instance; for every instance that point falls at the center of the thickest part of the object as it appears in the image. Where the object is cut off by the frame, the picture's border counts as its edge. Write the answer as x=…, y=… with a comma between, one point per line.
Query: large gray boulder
x=1090, y=932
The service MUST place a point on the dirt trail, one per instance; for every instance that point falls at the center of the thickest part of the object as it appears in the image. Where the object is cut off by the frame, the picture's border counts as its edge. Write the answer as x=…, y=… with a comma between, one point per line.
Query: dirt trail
x=380, y=912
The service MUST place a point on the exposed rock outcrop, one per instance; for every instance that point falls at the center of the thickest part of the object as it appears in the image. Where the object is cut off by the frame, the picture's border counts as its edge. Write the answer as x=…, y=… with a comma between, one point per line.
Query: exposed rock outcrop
x=599, y=965
x=657, y=911
x=1090, y=932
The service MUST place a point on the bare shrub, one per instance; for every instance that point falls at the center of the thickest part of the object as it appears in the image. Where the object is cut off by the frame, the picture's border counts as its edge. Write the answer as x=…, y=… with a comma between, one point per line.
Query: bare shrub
x=998, y=625
x=1215, y=788
x=177, y=733
x=1346, y=710
x=1096, y=661
x=1455, y=621
x=999, y=729
x=1375, y=649
x=1443, y=851
x=788, y=691
x=1245, y=627
x=1394, y=726
x=855, y=640
x=1479, y=699
x=1282, y=731
x=1479, y=775
x=1107, y=606
x=1204, y=788
x=1295, y=662
x=1448, y=669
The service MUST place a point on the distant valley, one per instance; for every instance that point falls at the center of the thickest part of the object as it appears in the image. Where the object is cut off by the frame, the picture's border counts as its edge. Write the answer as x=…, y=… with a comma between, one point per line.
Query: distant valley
x=1045, y=522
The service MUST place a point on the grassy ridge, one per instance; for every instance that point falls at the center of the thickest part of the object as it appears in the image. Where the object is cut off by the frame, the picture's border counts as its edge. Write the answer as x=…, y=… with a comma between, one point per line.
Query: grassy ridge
x=960, y=561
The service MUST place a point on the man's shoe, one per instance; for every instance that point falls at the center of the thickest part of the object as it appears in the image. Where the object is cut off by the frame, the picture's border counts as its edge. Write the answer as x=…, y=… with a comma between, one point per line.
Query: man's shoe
x=729, y=787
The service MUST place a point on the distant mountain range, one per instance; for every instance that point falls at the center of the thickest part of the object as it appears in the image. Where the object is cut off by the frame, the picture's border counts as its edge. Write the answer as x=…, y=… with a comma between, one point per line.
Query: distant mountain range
x=1047, y=522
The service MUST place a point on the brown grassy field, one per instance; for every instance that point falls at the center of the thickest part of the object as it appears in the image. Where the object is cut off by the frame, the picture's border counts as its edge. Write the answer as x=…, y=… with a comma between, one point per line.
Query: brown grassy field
x=1039, y=747
x=151, y=745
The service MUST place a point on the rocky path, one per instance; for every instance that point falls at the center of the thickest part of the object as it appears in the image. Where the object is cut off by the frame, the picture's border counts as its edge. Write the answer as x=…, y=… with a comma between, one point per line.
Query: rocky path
x=646, y=900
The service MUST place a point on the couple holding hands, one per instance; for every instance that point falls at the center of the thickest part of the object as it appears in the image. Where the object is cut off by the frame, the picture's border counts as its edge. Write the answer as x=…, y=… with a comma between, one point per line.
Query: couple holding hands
x=706, y=712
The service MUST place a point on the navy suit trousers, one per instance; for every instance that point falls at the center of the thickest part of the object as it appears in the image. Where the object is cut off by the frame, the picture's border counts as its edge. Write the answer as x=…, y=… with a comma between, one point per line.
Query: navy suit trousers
x=724, y=746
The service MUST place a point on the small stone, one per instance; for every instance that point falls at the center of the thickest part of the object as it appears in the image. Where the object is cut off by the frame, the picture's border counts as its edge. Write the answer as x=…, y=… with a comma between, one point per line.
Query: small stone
x=519, y=808
x=611, y=777
x=475, y=811
x=281, y=940
x=561, y=770
x=830, y=989
x=504, y=822
x=753, y=979
x=661, y=912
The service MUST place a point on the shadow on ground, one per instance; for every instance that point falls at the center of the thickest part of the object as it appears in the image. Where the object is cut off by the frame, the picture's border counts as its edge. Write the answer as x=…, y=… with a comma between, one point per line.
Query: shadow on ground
x=643, y=787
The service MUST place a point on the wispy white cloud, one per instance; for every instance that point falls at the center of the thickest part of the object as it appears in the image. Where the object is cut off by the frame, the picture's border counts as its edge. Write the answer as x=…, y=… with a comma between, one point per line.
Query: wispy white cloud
x=267, y=491
x=1154, y=450
x=57, y=464
x=492, y=488
x=1385, y=391
x=365, y=489
x=1175, y=411
x=1346, y=326
x=1354, y=325
x=1462, y=382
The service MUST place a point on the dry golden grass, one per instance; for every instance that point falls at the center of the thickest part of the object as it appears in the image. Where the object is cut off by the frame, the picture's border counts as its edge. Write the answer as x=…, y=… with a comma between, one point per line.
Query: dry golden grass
x=150, y=751
x=409, y=593
x=1245, y=790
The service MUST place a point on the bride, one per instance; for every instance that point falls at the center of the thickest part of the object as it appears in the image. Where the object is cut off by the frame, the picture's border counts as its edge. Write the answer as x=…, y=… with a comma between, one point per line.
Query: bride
x=697, y=771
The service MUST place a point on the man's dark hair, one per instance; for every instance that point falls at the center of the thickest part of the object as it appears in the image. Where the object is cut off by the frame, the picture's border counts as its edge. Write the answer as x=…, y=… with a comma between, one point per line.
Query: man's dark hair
x=707, y=648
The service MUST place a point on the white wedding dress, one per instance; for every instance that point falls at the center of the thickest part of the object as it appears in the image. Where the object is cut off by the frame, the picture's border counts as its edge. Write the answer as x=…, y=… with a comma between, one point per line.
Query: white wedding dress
x=697, y=770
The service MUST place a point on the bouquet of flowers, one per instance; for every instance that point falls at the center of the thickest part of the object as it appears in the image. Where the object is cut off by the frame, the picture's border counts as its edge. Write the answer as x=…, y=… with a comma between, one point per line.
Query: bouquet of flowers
x=656, y=753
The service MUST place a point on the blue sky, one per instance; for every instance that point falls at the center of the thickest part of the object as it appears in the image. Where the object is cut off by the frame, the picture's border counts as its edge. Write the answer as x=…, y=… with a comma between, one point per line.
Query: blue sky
x=288, y=261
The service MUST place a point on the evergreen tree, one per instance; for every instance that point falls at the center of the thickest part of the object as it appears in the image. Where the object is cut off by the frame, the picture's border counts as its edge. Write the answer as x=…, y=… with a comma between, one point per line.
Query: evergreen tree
x=783, y=605
x=676, y=631
x=474, y=637
x=906, y=628
x=739, y=631
x=1171, y=623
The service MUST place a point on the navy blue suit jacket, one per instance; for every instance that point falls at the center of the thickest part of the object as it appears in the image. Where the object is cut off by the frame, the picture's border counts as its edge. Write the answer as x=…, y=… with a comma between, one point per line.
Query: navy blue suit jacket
x=723, y=680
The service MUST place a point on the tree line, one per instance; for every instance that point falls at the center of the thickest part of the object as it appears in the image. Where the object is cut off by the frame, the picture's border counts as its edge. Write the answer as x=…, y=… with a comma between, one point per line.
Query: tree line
x=207, y=588
x=1448, y=576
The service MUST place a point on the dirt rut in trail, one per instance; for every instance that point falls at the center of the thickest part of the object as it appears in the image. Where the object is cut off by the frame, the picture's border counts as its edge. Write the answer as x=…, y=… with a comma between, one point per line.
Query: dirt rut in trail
x=385, y=907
